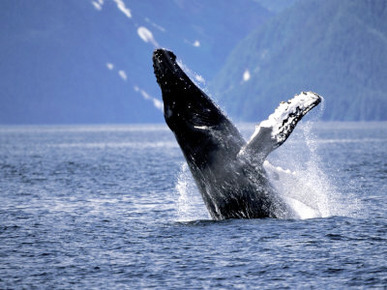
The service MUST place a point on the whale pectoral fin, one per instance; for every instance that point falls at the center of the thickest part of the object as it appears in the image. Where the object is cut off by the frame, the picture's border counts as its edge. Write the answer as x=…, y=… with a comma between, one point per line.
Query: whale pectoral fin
x=271, y=133
x=259, y=146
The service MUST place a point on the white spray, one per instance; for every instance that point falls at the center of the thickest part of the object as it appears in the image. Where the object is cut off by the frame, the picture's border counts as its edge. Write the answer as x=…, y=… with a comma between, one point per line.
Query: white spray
x=190, y=205
x=294, y=170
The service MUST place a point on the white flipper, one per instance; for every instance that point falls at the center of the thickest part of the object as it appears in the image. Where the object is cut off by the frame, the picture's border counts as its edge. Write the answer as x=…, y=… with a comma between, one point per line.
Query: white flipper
x=274, y=131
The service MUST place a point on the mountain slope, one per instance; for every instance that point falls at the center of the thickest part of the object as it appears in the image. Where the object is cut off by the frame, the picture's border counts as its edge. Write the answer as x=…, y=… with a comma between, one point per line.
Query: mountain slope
x=89, y=61
x=335, y=48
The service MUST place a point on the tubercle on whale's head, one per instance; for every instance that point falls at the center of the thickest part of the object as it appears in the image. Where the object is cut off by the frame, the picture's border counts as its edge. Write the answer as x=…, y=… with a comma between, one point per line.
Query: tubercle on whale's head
x=161, y=52
x=163, y=59
x=167, y=71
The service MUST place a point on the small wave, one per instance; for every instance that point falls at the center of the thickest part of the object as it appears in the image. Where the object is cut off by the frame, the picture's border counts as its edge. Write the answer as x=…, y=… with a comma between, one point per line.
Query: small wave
x=103, y=145
x=82, y=128
x=332, y=141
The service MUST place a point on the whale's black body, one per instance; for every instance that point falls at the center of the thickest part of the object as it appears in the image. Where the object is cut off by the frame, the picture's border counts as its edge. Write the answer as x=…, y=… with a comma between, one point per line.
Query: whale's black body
x=227, y=170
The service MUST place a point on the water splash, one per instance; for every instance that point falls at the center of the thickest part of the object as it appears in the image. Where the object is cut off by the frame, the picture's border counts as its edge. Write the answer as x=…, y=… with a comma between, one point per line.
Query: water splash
x=295, y=170
x=304, y=184
x=190, y=205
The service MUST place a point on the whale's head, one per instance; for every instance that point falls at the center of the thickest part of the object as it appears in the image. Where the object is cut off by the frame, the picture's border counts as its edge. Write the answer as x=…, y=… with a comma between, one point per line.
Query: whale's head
x=185, y=105
x=199, y=125
x=170, y=76
x=164, y=65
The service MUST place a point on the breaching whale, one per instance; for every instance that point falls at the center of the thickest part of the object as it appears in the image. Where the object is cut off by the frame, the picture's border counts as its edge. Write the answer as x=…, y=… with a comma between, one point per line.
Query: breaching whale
x=228, y=170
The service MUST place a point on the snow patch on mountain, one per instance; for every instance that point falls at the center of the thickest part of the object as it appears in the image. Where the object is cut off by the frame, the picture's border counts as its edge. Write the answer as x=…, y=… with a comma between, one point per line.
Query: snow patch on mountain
x=146, y=35
x=121, y=6
x=246, y=75
x=123, y=75
x=156, y=102
x=162, y=29
x=98, y=4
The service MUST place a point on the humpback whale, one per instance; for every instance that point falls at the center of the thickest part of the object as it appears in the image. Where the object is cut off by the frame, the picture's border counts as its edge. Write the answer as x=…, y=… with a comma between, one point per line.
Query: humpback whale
x=228, y=171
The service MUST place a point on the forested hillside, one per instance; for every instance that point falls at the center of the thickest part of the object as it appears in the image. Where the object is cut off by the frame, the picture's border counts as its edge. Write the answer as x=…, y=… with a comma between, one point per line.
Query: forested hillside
x=335, y=48
x=89, y=61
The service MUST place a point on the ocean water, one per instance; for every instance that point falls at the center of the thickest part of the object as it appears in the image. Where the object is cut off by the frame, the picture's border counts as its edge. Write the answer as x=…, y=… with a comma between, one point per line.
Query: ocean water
x=114, y=207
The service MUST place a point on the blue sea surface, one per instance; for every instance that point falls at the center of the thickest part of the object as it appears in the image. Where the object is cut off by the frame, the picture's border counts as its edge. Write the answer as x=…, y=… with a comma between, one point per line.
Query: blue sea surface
x=110, y=207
